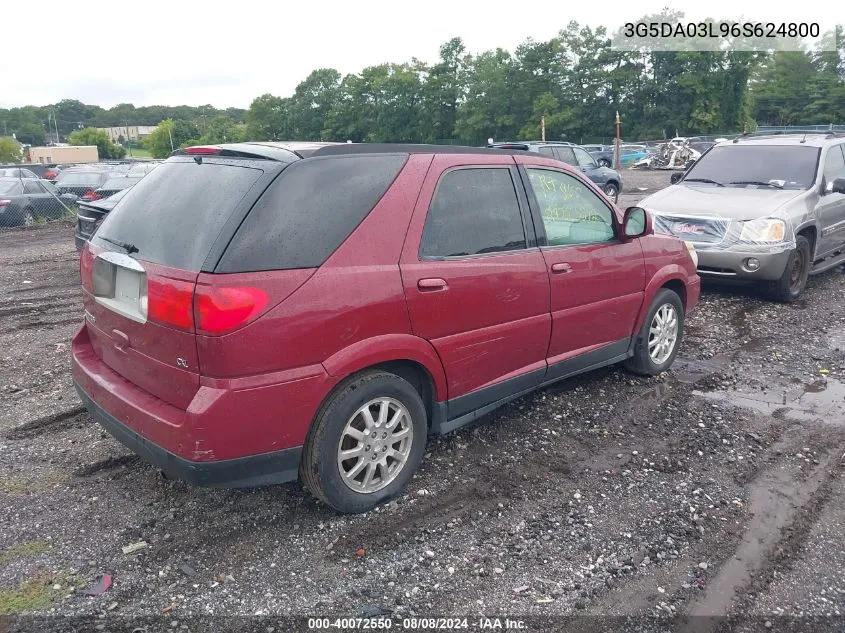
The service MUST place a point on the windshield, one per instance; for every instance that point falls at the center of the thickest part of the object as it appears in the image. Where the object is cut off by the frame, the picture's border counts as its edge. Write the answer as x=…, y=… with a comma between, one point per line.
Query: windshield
x=781, y=166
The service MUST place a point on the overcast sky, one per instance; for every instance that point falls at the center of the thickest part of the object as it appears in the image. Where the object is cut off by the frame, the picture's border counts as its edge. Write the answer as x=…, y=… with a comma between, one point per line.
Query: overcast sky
x=177, y=52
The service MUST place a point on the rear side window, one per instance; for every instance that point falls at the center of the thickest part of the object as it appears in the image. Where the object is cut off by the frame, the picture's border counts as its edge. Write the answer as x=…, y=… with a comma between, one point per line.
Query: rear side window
x=565, y=154
x=473, y=211
x=176, y=212
x=80, y=178
x=310, y=209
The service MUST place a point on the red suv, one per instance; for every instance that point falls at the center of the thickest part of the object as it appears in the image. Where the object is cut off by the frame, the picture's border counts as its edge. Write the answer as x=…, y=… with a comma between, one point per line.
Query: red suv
x=256, y=312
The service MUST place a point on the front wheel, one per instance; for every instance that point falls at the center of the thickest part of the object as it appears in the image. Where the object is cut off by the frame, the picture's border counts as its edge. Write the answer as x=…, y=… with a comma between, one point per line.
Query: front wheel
x=791, y=284
x=366, y=442
x=603, y=162
x=660, y=336
x=612, y=192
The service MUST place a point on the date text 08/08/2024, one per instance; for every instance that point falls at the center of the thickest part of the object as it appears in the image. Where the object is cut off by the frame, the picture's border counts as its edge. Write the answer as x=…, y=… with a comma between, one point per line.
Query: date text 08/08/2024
x=416, y=624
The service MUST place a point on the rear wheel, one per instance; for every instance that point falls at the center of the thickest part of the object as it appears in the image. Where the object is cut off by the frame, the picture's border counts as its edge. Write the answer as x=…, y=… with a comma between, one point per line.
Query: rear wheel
x=366, y=442
x=791, y=284
x=660, y=336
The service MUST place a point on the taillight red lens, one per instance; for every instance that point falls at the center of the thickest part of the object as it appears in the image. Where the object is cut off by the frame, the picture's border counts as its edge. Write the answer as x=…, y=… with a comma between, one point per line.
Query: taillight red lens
x=90, y=195
x=221, y=310
x=86, y=269
x=171, y=302
x=5, y=203
x=202, y=149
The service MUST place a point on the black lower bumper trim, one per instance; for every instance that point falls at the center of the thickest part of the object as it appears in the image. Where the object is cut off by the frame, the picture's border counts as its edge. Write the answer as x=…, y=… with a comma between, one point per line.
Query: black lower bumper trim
x=265, y=469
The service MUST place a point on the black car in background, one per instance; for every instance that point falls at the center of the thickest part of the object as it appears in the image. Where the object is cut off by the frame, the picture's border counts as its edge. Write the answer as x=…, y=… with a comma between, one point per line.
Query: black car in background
x=609, y=180
x=82, y=180
x=89, y=215
x=110, y=187
x=23, y=201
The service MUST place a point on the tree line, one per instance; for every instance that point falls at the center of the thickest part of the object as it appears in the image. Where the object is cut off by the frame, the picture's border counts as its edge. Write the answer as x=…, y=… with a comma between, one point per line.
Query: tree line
x=575, y=80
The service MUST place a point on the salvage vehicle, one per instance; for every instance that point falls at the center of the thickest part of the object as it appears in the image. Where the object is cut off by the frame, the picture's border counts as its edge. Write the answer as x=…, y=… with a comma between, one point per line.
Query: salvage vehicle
x=763, y=208
x=608, y=179
x=315, y=310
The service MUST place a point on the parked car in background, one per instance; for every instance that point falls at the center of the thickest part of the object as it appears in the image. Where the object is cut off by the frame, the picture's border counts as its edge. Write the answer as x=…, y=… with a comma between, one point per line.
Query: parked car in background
x=17, y=172
x=141, y=169
x=608, y=179
x=111, y=186
x=81, y=181
x=241, y=330
x=769, y=209
x=90, y=215
x=25, y=200
x=602, y=154
x=51, y=173
x=631, y=154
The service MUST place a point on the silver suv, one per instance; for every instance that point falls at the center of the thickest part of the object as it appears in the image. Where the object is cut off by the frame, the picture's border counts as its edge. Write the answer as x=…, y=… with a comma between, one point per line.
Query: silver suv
x=767, y=208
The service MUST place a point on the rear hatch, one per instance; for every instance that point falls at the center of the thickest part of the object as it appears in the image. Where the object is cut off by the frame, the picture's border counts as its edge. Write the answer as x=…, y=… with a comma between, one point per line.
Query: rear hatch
x=140, y=270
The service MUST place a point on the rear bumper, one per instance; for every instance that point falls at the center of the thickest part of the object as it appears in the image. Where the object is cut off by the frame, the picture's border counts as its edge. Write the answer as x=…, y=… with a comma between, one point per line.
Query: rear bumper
x=256, y=470
x=235, y=433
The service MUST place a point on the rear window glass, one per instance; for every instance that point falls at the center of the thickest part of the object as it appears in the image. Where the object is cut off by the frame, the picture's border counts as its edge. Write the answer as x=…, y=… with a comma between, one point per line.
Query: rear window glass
x=11, y=186
x=79, y=177
x=176, y=212
x=308, y=212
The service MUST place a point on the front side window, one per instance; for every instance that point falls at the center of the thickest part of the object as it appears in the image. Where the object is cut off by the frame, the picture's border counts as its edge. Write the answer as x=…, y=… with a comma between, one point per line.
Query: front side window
x=834, y=166
x=572, y=213
x=473, y=211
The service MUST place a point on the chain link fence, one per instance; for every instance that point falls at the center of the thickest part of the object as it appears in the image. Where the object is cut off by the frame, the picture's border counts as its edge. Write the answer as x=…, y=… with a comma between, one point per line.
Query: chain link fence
x=37, y=194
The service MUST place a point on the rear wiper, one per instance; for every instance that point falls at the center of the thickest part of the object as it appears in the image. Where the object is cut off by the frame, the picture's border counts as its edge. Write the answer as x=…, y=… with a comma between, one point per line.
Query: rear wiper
x=712, y=182
x=129, y=248
x=755, y=182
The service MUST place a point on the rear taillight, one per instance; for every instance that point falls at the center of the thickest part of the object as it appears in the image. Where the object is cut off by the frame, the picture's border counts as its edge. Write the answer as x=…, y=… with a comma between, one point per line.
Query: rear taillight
x=86, y=269
x=5, y=203
x=222, y=309
x=91, y=195
x=170, y=302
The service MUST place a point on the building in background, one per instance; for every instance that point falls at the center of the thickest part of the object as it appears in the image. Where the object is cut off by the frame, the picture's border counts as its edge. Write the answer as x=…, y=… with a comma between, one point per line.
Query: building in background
x=57, y=154
x=124, y=133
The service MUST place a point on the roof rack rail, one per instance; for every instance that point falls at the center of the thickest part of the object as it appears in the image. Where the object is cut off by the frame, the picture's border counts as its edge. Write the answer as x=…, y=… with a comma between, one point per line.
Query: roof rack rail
x=796, y=132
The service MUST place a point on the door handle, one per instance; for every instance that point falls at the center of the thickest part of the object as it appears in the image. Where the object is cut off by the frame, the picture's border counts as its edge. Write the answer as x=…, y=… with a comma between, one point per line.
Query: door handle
x=432, y=285
x=561, y=268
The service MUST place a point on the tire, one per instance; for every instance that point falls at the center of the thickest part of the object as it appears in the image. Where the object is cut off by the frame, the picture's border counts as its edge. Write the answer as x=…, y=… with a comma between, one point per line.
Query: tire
x=612, y=191
x=340, y=415
x=28, y=218
x=791, y=284
x=643, y=362
x=603, y=162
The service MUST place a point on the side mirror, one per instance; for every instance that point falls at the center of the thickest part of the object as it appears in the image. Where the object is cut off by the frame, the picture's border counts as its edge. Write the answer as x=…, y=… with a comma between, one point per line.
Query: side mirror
x=636, y=223
x=838, y=185
x=674, y=178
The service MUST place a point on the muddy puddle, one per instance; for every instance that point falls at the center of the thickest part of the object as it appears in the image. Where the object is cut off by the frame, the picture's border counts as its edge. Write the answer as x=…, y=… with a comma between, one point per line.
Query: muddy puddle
x=822, y=400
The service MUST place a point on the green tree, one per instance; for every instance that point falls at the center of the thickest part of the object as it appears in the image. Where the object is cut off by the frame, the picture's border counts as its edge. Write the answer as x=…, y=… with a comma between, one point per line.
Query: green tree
x=10, y=150
x=93, y=136
x=267, y=119
x=311, y=103
x=169, y=135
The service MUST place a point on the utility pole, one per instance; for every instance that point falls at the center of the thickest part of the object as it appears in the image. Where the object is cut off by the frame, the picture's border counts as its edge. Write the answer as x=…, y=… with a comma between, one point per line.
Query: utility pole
x=56, y=123
x=543, y=128
x=170, y=134
x=616, y=158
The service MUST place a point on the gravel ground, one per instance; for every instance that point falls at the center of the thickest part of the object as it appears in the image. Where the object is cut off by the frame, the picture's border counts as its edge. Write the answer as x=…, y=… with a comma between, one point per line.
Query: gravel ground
x=708, y=493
